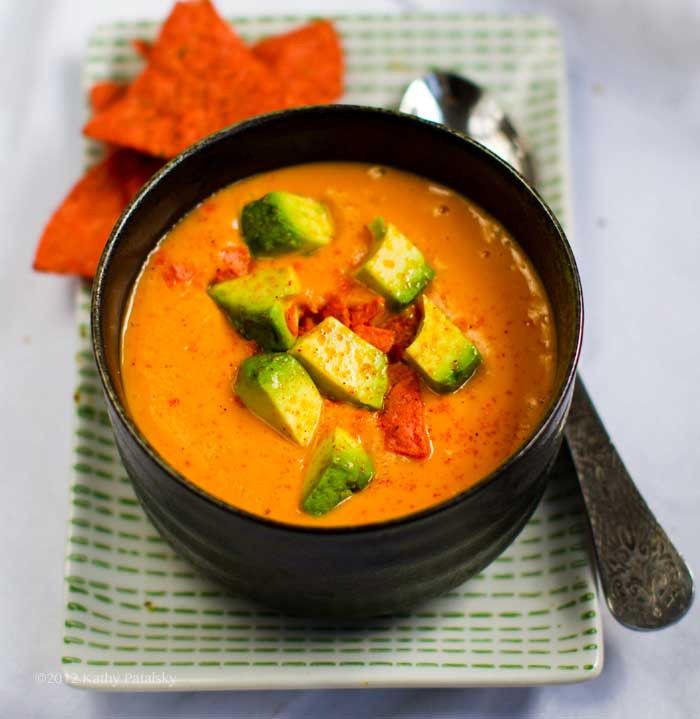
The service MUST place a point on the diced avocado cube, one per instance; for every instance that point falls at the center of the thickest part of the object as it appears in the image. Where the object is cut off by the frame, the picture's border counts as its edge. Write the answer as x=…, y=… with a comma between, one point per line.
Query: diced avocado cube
x=277, y=389
x=343, y=365
x=281, y=222
x=444, y=357
x=257, y=305
x=395, y=268
x=339, y=468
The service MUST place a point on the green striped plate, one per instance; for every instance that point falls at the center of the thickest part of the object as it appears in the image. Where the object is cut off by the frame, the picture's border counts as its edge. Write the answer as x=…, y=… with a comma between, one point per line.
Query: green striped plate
x=139, y=617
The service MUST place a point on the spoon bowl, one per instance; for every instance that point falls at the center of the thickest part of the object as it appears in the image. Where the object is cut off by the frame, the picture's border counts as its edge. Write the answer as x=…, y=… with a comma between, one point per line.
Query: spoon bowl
x=462, y=105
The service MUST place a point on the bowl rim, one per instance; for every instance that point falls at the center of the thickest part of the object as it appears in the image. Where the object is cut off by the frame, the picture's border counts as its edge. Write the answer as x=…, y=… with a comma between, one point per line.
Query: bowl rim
x=112, y=397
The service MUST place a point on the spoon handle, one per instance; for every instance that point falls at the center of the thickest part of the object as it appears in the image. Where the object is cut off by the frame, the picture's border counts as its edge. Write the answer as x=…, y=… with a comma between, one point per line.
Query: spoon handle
x=645, y=580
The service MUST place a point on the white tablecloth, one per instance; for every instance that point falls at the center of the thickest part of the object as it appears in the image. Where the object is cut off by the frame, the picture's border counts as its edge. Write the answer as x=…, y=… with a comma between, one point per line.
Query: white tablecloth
x=634, y=73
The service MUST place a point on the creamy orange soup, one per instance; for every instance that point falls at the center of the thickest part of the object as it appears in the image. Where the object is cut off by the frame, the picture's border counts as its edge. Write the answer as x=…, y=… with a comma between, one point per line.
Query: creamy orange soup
x=180, y=354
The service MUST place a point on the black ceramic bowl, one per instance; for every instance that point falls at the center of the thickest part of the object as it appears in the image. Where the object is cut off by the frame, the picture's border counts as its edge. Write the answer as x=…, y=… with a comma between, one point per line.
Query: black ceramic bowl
x=377, y=568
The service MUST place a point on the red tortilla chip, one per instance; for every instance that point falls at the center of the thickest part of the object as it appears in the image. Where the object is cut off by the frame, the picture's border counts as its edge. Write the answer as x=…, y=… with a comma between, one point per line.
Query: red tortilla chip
x=234, y=261
x=365, y=312
x=306, y=319
x=381, y=338
x=176, y=274
x=404, y=327
x=336, y=307
x=103, y=94
x=403, y=418
x=199, y=78
x=74, y=237
x=142, y=47
x=308, y=61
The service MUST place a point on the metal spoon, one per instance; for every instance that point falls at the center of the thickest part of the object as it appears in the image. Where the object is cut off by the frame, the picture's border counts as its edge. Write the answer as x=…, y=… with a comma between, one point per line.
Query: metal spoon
x=647, y=584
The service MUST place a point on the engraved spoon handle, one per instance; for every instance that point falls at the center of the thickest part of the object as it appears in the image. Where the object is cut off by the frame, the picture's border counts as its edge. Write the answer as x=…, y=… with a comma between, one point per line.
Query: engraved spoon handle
x=646, y=582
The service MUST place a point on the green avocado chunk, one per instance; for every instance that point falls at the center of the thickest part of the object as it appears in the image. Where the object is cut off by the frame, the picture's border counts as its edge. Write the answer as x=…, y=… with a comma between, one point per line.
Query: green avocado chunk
x=257, y=305
x=281, y=222
x=339, y=468
x=440, y=352
x=277, y=389
x=343, y=365
x=395, y=268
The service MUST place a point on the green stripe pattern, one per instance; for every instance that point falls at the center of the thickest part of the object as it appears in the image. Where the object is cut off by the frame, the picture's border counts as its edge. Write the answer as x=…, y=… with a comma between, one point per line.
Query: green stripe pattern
x=132, y=604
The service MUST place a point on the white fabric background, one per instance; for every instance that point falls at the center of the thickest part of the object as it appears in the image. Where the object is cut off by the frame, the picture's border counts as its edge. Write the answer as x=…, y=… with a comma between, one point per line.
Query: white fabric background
x=634, y=73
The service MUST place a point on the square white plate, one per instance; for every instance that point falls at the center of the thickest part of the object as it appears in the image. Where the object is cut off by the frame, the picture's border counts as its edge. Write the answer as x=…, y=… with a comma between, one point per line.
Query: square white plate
x=139, y=617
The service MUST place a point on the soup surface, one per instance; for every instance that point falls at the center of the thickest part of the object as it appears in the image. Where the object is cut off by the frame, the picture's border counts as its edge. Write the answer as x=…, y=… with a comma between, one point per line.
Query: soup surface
x=180, y=354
